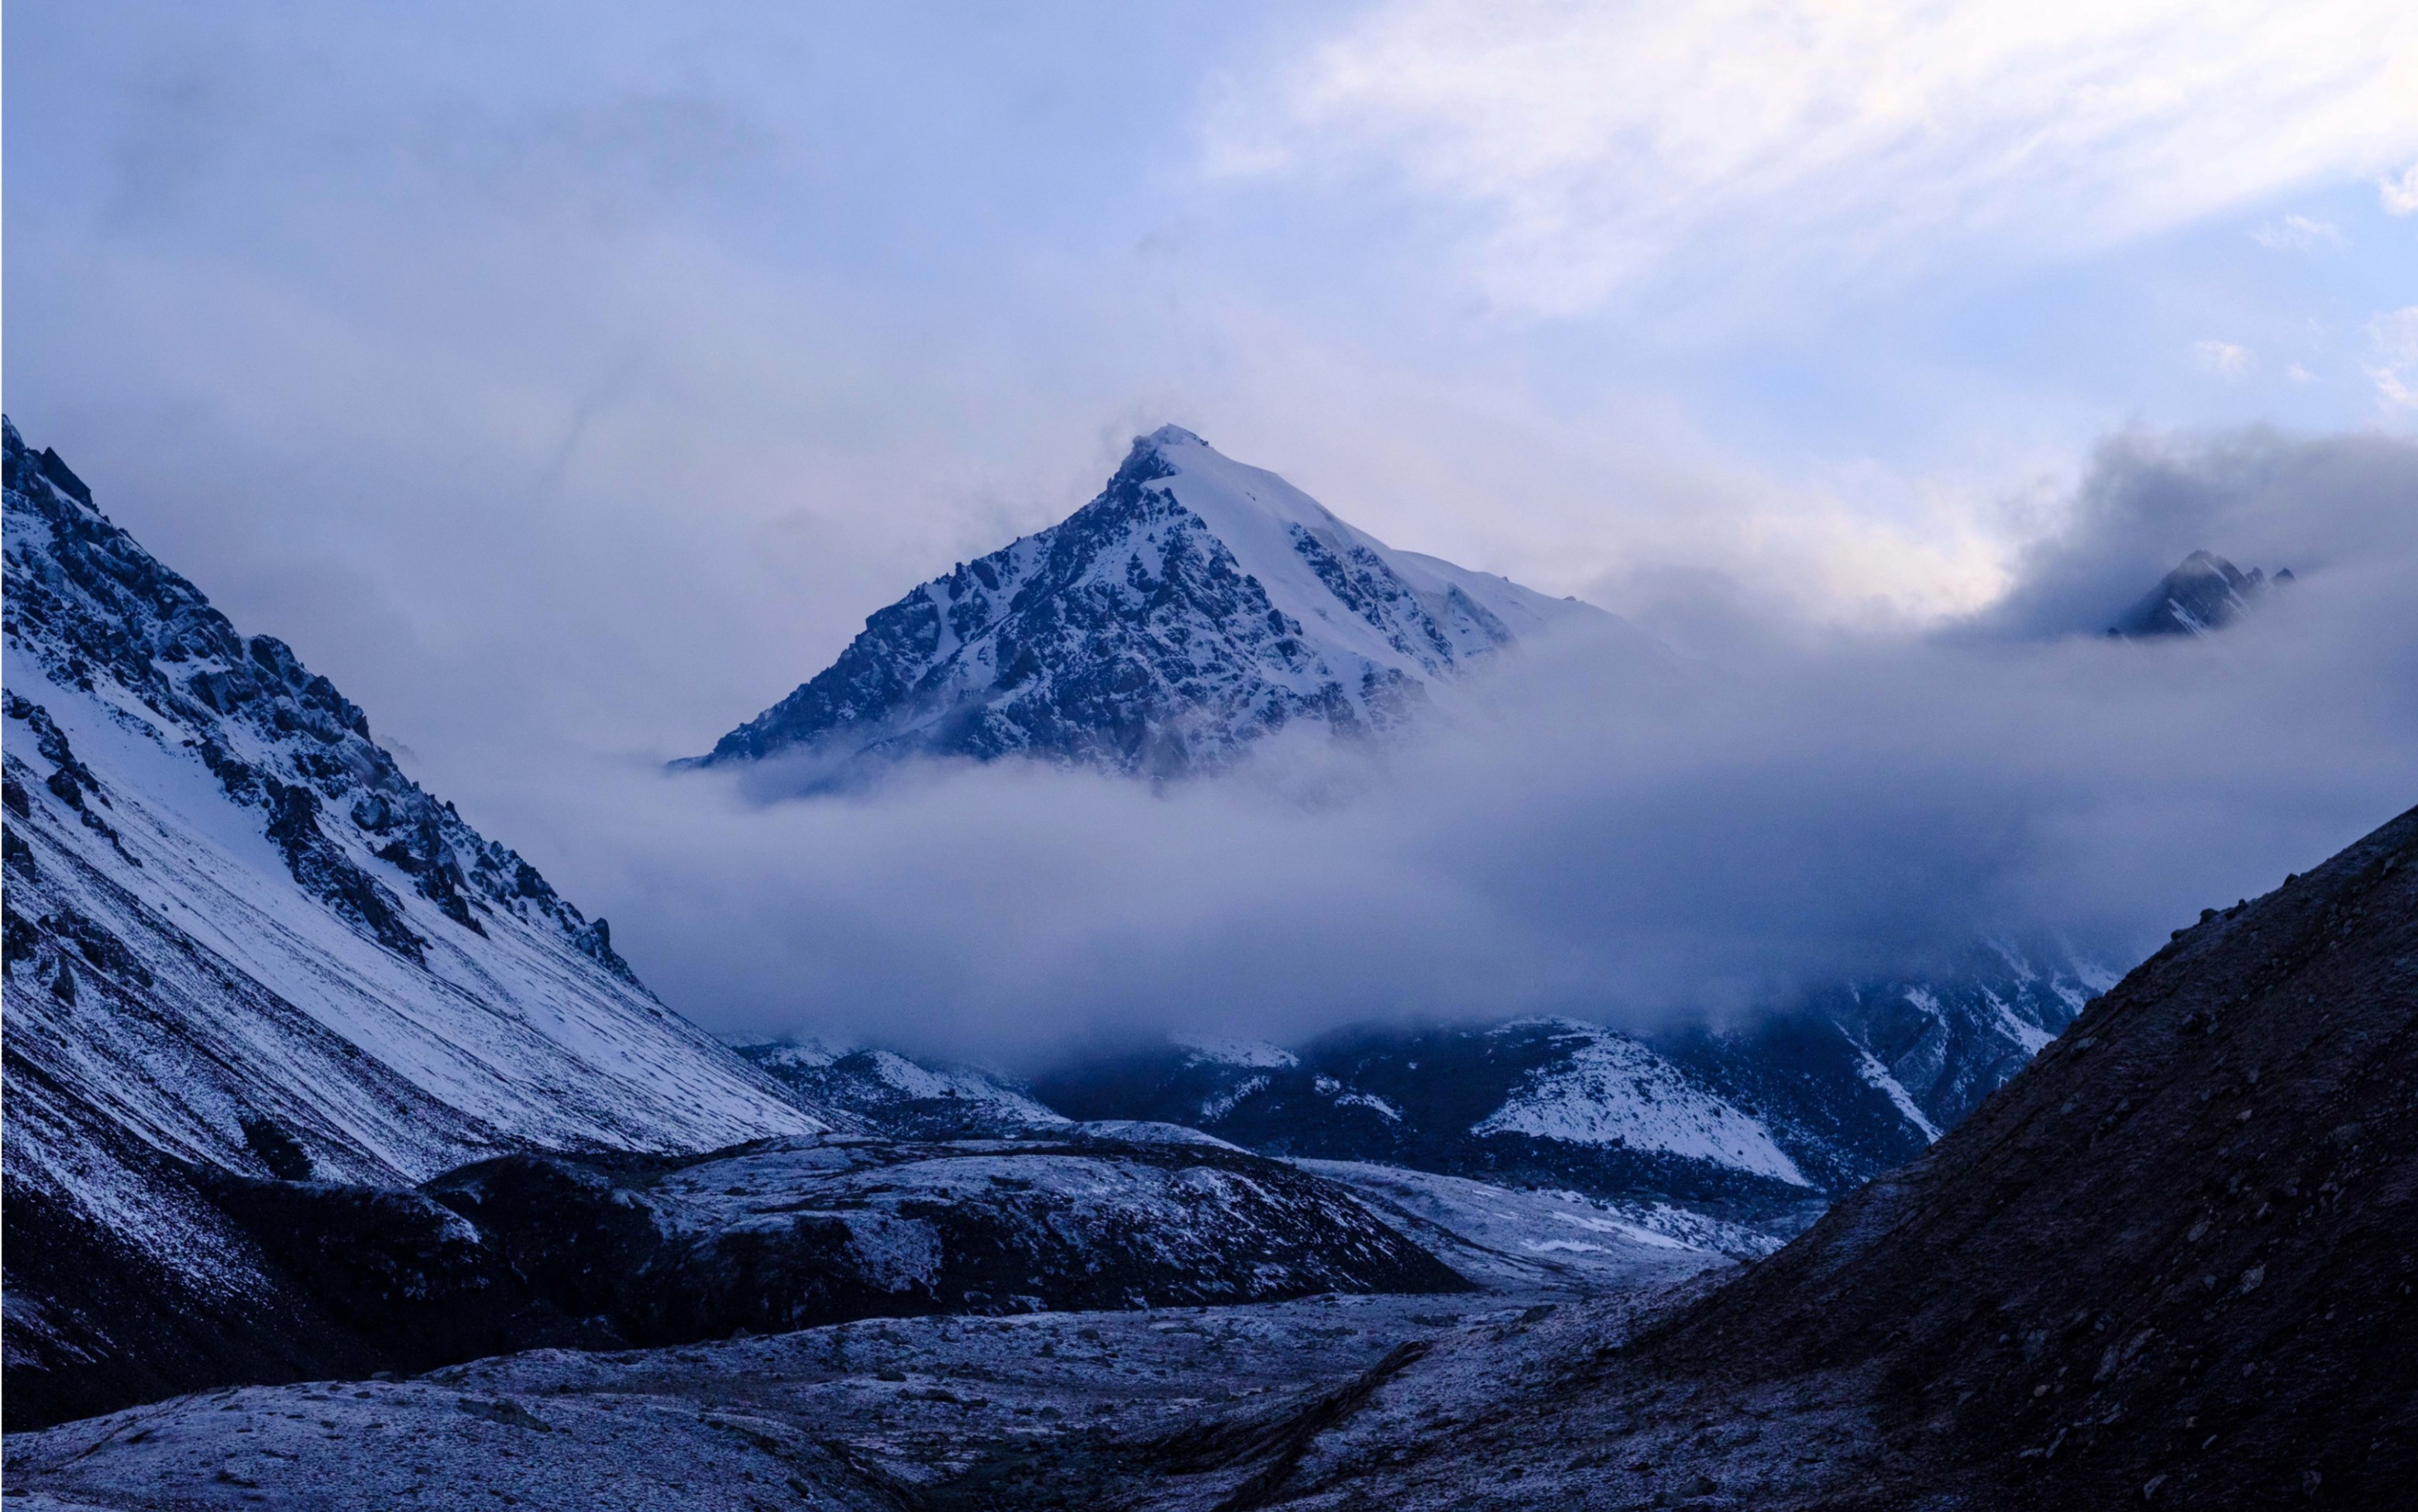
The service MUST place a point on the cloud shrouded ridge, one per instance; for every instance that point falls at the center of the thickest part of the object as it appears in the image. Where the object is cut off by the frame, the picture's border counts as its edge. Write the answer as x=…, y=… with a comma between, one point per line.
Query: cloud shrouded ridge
x=1623, y=837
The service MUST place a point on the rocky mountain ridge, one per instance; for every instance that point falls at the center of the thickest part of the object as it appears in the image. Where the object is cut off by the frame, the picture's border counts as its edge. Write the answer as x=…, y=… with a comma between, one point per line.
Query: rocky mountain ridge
x=2166, y=1265
x=2170, y=1264
x=239, y=939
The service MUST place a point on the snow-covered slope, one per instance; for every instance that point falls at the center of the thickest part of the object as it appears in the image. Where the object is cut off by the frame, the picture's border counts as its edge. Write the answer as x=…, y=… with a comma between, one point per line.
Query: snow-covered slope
x=1610, y=1090
x=238, y=938
x=891, y=1094
x=1194, y=606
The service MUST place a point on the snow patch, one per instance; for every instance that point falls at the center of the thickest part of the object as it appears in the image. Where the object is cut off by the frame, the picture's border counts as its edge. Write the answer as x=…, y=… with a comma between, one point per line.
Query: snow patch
x=1220, y=1050
x=2029, y=1035
x=1373, y=1102
x=1213, y=1108
x=1877, y=1076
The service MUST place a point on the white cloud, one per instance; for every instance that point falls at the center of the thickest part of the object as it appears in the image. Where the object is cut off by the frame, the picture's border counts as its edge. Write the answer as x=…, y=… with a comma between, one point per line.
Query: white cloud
x=2222, y=360
x=2298, y=374
x=2400, y=195
x=1603, y=146
x=2297, y=233
x=2394, y=335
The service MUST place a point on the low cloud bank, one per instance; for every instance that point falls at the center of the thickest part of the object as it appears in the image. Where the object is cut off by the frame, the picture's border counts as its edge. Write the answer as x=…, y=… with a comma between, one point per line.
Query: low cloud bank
x=1611, y=837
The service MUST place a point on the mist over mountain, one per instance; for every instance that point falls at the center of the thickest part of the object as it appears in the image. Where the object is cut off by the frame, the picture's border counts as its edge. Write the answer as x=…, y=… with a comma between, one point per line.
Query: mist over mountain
x=1687, y=870
x=1612, y=838
x=306, y=1076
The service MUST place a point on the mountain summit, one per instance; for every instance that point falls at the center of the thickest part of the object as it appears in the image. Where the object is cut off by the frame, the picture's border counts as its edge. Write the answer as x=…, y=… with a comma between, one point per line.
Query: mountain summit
x=1196, y=606
x=2204, y=593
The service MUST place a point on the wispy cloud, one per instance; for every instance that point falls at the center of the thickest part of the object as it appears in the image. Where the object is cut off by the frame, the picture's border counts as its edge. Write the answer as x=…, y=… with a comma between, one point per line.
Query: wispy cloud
x=2222, y=360
x=1599, y=146
x=2400, y=195
x=2297, y=233
x=2393, y=337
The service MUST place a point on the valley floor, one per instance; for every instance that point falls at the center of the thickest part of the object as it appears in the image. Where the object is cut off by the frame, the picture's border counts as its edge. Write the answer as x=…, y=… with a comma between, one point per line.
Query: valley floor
x=1207, y=1407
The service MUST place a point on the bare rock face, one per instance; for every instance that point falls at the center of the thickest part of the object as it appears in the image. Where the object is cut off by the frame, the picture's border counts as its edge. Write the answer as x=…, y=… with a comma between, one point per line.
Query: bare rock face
x=305, y=1076
x=1194, y=606
x=798, y=1233
x=2179, y=1248
x=892, y=1094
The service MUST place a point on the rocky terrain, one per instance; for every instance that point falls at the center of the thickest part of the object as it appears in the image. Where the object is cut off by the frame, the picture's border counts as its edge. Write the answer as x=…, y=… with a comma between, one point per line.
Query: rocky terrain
x=2205, y=593
x=1027, y=1409
x=1196, y=607
x=898, y=1095
x=240, y=941
x=2168, y=1264
x=923, y=1413
x=530, y=1250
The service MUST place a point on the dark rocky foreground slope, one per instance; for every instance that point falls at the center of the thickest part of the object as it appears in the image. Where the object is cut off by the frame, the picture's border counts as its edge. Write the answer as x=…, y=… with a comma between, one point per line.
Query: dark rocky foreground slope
x=2175, y=1258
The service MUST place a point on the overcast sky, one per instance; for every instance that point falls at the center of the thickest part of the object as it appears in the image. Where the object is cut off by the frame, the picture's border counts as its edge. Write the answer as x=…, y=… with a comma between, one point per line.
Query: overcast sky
x=569, y=382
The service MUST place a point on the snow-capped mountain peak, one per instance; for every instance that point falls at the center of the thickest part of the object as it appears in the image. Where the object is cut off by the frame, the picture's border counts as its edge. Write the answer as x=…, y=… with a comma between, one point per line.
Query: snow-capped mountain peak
x=2204, y=593
x=1196, y=606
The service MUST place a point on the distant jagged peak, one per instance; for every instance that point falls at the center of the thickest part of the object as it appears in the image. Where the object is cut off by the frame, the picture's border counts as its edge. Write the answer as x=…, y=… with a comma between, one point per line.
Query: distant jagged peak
x=1196, y=606
x=2203, y=594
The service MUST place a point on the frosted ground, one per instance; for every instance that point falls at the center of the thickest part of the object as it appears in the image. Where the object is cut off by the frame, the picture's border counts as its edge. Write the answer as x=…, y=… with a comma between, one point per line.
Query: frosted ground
x=1029, y=1410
